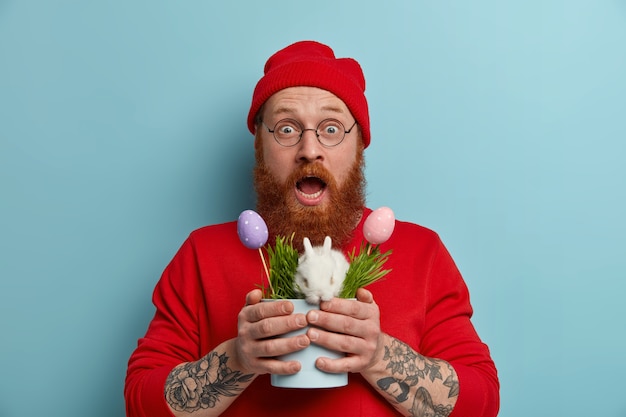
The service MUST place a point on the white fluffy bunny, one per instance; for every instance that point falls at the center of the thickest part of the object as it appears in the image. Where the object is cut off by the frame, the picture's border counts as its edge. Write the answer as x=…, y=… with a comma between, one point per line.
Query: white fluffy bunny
x=321, y=271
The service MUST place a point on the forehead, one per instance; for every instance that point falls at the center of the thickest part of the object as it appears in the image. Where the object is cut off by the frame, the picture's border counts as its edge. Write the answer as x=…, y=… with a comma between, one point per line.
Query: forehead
x=303, y=101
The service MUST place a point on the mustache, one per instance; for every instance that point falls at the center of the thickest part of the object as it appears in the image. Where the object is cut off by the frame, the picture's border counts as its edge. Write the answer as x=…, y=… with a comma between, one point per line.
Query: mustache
x=311, y=170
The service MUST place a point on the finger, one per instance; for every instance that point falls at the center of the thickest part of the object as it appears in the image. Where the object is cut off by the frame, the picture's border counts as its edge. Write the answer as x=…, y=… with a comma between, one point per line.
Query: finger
x=335, y=366
x=276, y=347
x=351, y=308
x=276, y=326
x=345, y=343
x=259, y=311
x=266, y=355
x=336, y=323
x=328, y=323
x=278, y=367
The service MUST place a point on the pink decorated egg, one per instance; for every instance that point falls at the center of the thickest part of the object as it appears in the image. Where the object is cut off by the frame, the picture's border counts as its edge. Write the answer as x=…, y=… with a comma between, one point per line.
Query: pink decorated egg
x=379, y=225
x=252, y=229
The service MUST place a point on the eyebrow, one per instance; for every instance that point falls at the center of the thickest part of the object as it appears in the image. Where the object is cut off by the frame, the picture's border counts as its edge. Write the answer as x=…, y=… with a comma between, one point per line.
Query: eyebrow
x=283, y=110
x=333, y=109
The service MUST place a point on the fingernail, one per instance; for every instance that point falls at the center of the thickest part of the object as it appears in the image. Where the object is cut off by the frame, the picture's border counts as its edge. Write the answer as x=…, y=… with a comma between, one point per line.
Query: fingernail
x=313, y=334
x=313, y=316
x=301, y=321
x=287, y=308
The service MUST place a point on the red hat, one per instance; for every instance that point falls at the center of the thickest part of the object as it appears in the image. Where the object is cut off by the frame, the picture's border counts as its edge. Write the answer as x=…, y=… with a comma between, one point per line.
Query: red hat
x=313, y=64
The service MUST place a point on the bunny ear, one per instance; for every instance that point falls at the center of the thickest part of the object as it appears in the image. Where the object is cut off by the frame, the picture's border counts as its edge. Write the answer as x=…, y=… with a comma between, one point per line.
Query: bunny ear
x=308, y=248
x=328, y=244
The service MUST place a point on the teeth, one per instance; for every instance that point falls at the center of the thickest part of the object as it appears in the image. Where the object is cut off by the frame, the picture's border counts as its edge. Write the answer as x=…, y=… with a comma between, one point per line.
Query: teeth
x=310, y=196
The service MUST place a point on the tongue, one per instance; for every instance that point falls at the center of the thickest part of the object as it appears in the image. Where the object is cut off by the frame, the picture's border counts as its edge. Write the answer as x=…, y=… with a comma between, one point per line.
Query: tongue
x=310, y=185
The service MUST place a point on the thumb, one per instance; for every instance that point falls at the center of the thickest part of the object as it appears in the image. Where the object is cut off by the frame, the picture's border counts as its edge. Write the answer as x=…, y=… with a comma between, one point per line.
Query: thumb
x=253, y=297
x=364, y=295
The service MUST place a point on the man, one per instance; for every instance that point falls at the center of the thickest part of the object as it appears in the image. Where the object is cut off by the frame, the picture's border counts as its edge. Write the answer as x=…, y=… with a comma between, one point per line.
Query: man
x=410, y=346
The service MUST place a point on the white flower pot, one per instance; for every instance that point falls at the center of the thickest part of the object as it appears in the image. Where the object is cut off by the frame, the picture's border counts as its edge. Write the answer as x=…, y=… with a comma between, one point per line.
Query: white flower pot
x=308, y=376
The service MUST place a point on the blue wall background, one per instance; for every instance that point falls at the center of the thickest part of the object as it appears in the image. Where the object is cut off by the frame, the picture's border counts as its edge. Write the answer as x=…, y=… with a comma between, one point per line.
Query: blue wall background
x=501, y=125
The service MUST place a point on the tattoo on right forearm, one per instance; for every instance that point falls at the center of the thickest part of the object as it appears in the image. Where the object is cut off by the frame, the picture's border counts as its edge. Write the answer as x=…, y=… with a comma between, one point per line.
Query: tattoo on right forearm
x=197, y=385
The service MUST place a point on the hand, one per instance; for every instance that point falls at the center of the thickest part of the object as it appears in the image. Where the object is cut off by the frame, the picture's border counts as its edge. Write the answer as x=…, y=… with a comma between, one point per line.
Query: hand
x=256, y=348
x=348, y=326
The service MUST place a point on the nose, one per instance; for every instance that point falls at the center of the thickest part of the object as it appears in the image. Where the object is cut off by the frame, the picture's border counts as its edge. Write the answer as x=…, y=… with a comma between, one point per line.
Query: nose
x=309, y=148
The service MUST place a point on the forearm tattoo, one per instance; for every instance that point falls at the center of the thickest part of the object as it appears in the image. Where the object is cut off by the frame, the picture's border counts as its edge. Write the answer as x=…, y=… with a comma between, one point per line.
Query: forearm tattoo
x=197, y=385
x=408, y=368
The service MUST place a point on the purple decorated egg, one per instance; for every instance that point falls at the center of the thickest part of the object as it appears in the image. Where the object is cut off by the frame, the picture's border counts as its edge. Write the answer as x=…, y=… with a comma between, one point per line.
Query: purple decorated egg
x=252, y=229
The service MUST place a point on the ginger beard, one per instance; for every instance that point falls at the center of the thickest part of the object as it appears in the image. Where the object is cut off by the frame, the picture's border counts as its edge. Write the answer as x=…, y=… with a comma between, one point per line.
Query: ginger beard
x=285, y=215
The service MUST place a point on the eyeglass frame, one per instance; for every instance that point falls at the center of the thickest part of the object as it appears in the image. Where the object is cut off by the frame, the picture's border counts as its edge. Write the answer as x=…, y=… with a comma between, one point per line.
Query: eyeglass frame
x=302, y=130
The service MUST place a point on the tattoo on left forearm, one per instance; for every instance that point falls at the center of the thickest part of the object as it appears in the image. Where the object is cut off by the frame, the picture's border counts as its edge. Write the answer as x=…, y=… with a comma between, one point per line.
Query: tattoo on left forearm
x=423, y=406
x=197, y=385
x=408, y=368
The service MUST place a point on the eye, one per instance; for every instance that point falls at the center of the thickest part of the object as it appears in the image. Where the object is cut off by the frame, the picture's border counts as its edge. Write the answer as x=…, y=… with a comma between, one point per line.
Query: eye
x=286, y=130
x=330, y=128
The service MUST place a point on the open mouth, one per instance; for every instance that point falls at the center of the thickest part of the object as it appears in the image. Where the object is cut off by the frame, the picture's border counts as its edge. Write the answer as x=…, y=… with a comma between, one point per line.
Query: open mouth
x=310, y=188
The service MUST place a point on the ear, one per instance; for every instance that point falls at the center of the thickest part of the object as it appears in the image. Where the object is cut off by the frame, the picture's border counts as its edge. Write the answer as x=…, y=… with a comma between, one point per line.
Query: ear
x=308, y=248
x=328, y=244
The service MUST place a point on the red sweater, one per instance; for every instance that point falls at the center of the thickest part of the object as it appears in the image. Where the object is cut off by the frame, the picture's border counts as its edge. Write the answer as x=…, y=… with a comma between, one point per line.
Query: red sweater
x=424, y=302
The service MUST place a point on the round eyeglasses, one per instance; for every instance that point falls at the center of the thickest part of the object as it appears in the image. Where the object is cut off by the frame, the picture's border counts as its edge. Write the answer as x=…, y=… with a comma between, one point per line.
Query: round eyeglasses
x=329, y=132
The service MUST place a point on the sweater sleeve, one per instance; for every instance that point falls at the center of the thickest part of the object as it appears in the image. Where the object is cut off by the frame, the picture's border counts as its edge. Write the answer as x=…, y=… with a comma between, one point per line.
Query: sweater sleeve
x=450, y=335
x=171, y=338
